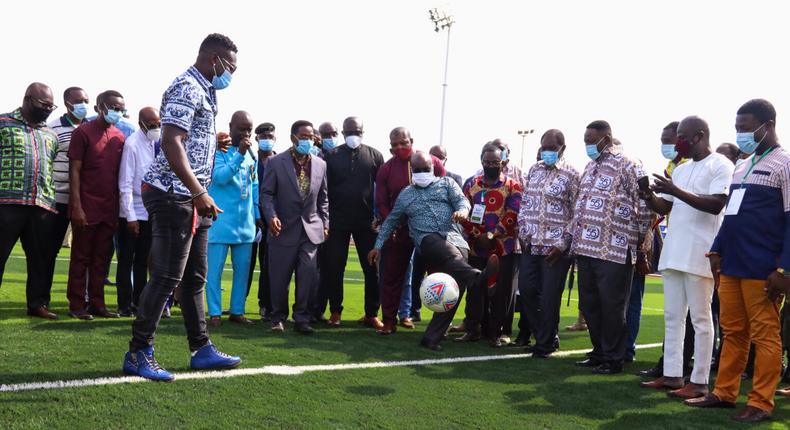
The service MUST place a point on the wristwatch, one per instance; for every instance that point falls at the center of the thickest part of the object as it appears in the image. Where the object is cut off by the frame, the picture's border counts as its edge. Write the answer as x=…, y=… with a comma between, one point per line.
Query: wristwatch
x=783, y=272
x=490, y=236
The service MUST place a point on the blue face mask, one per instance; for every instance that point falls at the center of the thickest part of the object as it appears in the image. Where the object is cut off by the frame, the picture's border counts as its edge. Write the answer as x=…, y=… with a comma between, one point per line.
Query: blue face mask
x=746, y=142
x=314, y=151
x=222, y=81
x=549, y=157
x=592, y=152
x=79, y=110
x=505, y=154
x=304, y=146
x=669, y=152
x=328, y=144
x=112, y=116
x=266, y=145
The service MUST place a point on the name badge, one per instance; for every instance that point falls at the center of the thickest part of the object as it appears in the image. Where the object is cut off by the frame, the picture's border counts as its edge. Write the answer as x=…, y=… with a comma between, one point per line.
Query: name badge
x=736, y=198
x=477, y=214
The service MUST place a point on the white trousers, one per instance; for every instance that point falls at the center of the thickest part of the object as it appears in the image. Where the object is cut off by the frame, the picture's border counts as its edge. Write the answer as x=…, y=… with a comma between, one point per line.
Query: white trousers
x=684, y=292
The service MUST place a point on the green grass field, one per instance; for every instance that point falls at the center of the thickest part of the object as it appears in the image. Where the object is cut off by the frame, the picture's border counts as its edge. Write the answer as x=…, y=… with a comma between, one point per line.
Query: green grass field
x=514, y=393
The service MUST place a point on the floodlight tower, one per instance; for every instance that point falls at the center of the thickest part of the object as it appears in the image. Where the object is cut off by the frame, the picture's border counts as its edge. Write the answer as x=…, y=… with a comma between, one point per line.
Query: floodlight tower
x=524, y=134
x=441, y=20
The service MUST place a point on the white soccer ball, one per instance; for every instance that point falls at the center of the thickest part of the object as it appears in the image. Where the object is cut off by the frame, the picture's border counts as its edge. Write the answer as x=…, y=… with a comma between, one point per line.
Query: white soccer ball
x=439, y=292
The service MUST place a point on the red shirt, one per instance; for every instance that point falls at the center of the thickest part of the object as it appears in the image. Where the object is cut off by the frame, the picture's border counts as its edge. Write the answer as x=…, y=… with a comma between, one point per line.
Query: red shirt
x=393, y=176
x=99, y=146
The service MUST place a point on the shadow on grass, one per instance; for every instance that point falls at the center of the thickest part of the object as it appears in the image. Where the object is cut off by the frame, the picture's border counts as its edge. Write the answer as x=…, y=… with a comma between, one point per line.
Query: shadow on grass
x=370, y=390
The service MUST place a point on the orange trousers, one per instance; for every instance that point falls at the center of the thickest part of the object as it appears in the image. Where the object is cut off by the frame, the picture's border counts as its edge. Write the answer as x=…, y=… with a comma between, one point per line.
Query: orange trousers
x=747, y=316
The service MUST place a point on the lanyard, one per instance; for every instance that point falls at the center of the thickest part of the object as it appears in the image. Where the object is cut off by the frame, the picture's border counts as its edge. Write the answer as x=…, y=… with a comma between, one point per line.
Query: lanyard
x=754, y=163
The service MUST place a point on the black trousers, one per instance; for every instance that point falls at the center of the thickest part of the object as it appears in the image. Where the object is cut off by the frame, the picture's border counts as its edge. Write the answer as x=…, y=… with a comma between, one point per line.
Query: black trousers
x=178, y=258
x=34, y=227
x=333, y=267
x=418, y=270
x=59, y=228
x=604, y=290
x=494, y=308
x=441, y=256
x=132, y=259
x=540, y=287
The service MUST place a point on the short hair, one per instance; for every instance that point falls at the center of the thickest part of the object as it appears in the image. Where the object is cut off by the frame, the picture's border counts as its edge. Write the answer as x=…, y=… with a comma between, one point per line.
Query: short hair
x=266, y=127
x=554, y=132
x=299, y=124
x=110, y=93
x=490, y=147
x=763, y=110
x=672, y=126
x=216, y=40
x=70, y=90
x=600, y=125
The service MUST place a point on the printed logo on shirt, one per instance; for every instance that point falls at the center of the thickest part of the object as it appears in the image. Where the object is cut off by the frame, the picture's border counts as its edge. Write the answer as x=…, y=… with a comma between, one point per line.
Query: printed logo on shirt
x=595, y=204
x=554, y=189
x=554, y=208
x=591, y=233
x=536, y=176
x=619, y=240
x=604, y=182
x=622, y=211
x=554, y=233
x=531, y=203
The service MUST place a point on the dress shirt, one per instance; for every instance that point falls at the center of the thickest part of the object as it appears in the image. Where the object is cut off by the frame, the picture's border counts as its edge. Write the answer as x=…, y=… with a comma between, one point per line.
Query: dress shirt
x=138, y=154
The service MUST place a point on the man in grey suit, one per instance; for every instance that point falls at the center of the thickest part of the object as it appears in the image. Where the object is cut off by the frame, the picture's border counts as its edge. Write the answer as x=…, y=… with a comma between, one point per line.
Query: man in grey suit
x=295, y=205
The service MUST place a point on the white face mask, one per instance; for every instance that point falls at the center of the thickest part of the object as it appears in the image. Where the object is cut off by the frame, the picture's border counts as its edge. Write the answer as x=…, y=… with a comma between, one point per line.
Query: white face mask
x=353, y=142
x=153, y=134
x=423, y=179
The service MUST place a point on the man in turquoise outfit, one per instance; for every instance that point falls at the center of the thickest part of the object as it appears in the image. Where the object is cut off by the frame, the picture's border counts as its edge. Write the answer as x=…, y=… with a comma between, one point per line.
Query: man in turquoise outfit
x=234, y=187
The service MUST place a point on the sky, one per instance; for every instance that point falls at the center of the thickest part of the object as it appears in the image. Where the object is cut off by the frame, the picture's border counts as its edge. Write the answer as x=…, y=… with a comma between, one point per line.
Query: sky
x=513, y=65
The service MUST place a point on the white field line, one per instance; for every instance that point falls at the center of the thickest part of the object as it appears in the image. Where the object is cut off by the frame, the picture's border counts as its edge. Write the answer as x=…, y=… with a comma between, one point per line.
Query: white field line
x=278, y=370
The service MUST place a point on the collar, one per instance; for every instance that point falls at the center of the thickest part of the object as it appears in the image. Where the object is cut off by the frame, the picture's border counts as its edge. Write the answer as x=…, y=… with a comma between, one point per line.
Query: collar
x=294, y=155
x=17, y=115
x=195, y=73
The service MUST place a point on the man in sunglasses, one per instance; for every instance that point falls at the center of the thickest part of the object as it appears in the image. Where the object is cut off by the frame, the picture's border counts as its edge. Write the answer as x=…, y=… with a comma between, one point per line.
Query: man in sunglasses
x=27, y=192
x=94, y=161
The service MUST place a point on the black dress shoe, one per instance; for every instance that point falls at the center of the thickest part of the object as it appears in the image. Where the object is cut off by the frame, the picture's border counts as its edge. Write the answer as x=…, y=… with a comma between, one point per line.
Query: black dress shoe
x=304, y=328
x=125, y=313
x=608, y=369
x=540, y=354
x=786, y=376
x=653, y=372
x=589, y=362
x=432, y=346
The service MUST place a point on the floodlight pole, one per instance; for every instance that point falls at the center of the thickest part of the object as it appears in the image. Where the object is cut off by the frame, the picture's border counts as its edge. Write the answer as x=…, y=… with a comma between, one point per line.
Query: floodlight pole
x=524, y=134
x=441, y=21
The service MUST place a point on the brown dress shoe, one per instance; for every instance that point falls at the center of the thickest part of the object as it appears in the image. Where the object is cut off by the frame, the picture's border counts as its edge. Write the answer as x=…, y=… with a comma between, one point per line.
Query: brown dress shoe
x=372, y=322
x=215, y=321
x=42, y=312
x=784, y=392
x=407, y=323
x=663, y=383
x=82, y=315
x=468, y=337
x=334, y=320
x=752, y=415
x=387, y=329
x=709, y=400
x=461, y=328
x=103, y=313
x=690, y=391
x=240, y=319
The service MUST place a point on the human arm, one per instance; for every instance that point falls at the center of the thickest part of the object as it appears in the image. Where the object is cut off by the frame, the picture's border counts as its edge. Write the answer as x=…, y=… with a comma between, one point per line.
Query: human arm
x=268, y=195
x=458, y=201
x=79, y=142
x=322, y=204
x=382, y=191
x=712, y=204
x=256, y=207
x=226, y=167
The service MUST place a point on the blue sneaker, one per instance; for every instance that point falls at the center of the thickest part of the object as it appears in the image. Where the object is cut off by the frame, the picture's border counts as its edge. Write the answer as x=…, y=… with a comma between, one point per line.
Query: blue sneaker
x=148, y=368
x=209, y=357
x=130, y=364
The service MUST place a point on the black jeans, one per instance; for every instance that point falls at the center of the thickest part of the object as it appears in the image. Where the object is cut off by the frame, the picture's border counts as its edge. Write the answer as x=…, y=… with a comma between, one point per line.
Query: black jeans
x=493, y=308
x=177, y=258
x=604, y=290
x=59, y=227
x=541, y=286
x=441, y=256
x=417, y=275
x=33, y=226
x=333, y=267
x=132, y=258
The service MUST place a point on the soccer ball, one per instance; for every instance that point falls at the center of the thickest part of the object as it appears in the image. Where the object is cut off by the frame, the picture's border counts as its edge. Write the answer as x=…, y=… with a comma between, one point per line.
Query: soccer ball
x=439, y=292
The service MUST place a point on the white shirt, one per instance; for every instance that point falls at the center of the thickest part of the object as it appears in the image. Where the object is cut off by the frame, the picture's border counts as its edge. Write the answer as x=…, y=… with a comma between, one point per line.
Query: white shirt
x=691, y=233
x=138, y=154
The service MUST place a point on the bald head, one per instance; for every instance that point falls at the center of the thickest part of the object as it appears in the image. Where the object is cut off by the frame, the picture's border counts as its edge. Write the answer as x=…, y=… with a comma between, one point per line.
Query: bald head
x=352, y=124
x=240, y=126
x=148, y=118
x=399, y=133
x=694, y=124
x=38, y=103
x=421, y=161
x=440, y=152
x=729, y=150
x=39, y=91
x=694, y=134
x=327, y=130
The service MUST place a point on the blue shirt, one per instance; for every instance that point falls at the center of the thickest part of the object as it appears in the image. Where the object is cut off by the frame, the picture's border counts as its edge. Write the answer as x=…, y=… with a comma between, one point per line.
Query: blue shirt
x=190, y=103
x=756, y=241
x=234, y=188
x=429, y=210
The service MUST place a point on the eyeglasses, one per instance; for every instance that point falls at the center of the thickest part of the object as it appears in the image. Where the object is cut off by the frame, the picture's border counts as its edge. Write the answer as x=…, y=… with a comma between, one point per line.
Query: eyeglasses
x=45, y=104
x=492, y=163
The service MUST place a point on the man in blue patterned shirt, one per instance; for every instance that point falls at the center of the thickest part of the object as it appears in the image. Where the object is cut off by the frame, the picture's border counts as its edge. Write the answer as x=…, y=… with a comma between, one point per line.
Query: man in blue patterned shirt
x=181, y=211
x=432, y=206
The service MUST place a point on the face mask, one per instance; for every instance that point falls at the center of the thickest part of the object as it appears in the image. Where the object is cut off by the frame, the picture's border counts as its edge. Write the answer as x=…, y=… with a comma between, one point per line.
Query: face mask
x=549, y=157
x=683, y=147
x=303, y=146
x=746, y=142
x=668, y=151
x=39, y=115
x=314, y=151
x=329, y=143
x=592, y=150
x=266, y=145
x=353, y=142
x=505, y=155
x=153, y=134
x=222, y=81
x=492, y=172
x=112, y=116
x=423, y=179
x=79, y=110
x=403, y=153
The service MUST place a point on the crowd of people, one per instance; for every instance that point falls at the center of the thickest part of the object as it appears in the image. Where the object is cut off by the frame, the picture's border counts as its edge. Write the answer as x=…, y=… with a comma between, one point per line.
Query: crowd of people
x=172, y=197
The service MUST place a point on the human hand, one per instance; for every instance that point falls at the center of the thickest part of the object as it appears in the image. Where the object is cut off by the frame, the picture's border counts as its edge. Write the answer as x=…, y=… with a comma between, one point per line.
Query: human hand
x=133, y=227
x=275, y=226
x=206, y=207
x=223, y=141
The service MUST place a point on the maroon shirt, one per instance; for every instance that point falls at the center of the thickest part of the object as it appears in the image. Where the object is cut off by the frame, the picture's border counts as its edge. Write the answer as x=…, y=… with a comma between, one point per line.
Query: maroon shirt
x=392, y=178
x=99, y=146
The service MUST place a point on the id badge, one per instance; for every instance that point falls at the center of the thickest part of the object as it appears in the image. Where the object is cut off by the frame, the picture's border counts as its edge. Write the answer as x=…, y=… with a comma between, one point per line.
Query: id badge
x=736, y=198
x=478, y=211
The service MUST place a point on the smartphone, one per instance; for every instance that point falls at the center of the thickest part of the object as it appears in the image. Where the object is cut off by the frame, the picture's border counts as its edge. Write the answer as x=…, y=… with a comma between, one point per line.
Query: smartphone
x=644, y=183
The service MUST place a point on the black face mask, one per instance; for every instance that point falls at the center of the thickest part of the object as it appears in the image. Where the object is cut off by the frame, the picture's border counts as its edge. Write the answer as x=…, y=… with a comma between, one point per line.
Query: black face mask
x=39, y=115
x=492, y=173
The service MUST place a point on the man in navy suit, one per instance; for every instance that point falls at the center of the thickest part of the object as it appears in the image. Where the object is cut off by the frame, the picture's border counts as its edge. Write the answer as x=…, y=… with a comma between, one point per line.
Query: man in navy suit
x=296, y=209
